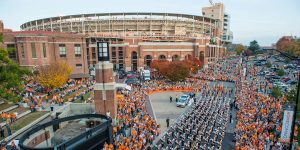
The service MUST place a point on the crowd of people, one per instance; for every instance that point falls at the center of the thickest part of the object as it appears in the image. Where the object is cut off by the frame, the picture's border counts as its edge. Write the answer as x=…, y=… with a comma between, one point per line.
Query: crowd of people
x=36, y=96
x=203, y=127
x=135, y=128
x=259, y=116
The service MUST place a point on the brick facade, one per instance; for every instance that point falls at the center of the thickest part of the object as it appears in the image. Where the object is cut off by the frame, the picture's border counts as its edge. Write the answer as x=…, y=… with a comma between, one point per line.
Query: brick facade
x=36, y=48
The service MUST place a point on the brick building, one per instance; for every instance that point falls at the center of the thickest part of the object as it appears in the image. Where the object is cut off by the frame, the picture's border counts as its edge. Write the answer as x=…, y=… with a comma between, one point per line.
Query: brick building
x=35, y=48
x=135, y=39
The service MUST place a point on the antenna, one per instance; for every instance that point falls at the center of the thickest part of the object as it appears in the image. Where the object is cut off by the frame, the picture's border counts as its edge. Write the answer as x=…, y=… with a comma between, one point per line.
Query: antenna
x=211, y=2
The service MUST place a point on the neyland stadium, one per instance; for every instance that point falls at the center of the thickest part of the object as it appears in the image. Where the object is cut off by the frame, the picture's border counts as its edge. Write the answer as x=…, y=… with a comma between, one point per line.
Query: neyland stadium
x=135, y=39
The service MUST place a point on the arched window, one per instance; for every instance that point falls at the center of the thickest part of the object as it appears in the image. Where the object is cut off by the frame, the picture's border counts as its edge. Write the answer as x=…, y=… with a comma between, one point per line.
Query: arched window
x=134, y=58
x=147, y=60
x=175, y=58
x=162, y=57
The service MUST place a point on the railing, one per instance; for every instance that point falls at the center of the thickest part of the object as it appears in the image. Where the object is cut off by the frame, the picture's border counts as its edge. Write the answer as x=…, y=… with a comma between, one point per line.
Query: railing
x=75, y=141
x=84, y=136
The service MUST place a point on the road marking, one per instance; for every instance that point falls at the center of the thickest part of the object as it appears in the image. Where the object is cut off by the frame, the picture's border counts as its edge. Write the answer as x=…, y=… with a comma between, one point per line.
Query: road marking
x=152, y=108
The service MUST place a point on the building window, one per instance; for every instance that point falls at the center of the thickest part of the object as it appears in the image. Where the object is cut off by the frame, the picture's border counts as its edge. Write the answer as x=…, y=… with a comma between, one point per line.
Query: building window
x=103, y=51
x=88, y=53
x=11, y=51
x=121, y=53
x=78, y=65
x=33, y=50
x=121, y=64
x=77, y=50
x=93, y=53
x=113, y=53
x=22, y=50
x=62, y=50
x=44, y=50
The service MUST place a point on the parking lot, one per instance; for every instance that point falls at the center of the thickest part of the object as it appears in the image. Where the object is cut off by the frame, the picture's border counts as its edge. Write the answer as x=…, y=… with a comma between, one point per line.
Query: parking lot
x=270, y=68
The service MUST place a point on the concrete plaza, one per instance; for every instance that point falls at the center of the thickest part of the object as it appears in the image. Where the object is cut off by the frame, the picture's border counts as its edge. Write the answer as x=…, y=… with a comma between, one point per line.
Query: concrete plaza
x=162, y=108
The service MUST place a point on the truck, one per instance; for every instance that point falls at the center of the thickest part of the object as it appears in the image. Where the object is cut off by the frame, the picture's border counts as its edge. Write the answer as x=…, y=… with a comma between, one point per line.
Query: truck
x=146, y=75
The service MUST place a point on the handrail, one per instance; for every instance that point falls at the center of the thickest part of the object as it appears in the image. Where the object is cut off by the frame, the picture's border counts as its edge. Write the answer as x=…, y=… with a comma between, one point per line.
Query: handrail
x=57, y=121
x=88, y=133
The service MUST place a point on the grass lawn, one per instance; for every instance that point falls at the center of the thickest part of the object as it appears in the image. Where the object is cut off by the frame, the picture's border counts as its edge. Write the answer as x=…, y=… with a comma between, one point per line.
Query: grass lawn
x=73, y=94
x=5, y=105
x=85, y=97
x=24, y=121
x=19, y=110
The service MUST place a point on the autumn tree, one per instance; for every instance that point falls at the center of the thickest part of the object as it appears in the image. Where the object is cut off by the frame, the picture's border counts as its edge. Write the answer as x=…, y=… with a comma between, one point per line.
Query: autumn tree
x=283, y=43
x=290, y=45
x=239, y=49
x=177, y=71
x=194, y=64
x=11, y=83
x=54, y=75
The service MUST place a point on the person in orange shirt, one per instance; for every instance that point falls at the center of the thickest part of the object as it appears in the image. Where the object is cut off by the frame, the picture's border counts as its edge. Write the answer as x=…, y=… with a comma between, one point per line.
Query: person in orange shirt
x=13, y=116
x=8, y=117
x=3, y=116
x=110, y=147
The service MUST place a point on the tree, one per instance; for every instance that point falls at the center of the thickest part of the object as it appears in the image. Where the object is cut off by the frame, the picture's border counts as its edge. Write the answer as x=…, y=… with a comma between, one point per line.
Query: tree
x=290, y=45
x=276, y=92
x=291, y=95
x=283, y=43
x=280, y=72
x=177, y=71
x=53, y=76
x=194, y=64
x=248, y=53
x=239, y=49
x=11, y=83
x=254, y=46
x=294, y=49
x=269, y=65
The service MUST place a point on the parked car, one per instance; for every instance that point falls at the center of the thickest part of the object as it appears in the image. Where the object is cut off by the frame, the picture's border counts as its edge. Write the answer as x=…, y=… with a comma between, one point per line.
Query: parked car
x=132, y=74
x=285, y=79
x=280, y=84
x=258, y=64
x=291, y=82
x=132, y=81
x=183, y=101
x=292, y=66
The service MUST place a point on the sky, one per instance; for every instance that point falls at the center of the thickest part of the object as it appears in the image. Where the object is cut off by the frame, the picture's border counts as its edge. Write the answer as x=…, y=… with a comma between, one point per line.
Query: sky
x=262, y=20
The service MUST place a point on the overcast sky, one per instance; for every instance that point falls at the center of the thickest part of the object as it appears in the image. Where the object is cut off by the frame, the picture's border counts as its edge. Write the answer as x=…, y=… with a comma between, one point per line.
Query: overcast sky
x=263, y=20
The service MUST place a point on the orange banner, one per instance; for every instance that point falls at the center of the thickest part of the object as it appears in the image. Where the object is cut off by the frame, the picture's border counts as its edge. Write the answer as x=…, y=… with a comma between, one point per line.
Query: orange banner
x=171, y=90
